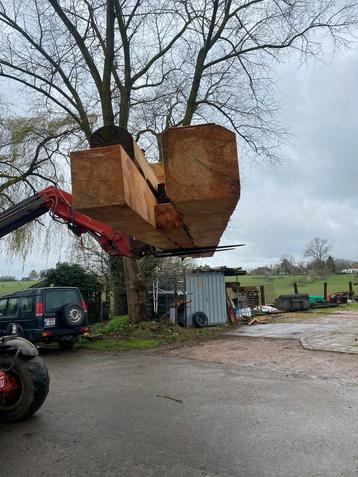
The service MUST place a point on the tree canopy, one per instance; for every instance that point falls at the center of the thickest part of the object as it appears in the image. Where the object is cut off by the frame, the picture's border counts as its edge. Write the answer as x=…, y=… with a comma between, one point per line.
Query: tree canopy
x=73, y=275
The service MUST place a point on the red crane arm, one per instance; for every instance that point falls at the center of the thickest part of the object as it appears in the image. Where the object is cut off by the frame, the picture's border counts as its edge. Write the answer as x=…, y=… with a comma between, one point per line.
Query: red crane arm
x=59, y=204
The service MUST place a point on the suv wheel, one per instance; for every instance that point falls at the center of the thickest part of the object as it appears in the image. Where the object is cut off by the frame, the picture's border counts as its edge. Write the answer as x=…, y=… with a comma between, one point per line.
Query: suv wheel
x=73, y=315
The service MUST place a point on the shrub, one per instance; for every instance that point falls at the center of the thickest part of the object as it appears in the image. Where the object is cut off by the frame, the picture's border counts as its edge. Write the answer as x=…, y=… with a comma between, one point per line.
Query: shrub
x=115, y=325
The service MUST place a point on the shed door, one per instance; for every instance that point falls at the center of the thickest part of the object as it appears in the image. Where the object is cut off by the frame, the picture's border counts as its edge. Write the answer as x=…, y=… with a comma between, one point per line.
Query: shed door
x=207, y=294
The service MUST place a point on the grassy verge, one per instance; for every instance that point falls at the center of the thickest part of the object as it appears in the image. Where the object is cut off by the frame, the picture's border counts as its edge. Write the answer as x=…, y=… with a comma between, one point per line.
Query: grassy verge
x=119, y=333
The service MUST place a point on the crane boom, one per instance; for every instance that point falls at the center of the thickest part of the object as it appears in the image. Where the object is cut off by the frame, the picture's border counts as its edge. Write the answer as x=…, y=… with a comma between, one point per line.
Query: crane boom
x=59, y=204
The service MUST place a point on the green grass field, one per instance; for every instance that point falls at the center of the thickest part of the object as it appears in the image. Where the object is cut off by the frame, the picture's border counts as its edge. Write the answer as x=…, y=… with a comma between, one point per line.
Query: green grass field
x=276, y=285
x=10, y=287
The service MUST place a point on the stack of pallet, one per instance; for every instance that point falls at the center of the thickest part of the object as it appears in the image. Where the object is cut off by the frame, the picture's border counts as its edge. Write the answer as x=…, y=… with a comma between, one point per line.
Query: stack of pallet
x=183, y=202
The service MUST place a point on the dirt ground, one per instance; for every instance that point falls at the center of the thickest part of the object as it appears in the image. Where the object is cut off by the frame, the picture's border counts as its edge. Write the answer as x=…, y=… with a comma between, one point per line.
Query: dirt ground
x=283, y=356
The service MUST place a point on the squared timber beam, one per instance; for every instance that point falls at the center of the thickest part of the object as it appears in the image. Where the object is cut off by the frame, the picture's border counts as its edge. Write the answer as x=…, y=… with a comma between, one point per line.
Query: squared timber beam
x=107, y=186
x=202, y=178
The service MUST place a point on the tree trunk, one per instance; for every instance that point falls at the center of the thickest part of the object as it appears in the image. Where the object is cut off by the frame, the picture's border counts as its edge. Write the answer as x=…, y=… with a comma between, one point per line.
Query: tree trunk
x=160, y=150
x=119, y=286
x=136, y=290
x=130, y=294
x=195, y=86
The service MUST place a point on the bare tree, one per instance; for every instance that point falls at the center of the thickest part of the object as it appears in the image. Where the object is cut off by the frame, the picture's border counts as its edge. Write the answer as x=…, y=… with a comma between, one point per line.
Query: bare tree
x=224, y=66
x=150, y=65
x=92, y=258
x=30, y=154
x=175, y=266
x=317, y=250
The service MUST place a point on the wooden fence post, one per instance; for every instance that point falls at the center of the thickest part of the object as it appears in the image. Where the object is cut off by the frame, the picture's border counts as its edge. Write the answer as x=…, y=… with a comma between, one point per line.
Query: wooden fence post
x=351, y=292
x=295, y=287
x=262, y=295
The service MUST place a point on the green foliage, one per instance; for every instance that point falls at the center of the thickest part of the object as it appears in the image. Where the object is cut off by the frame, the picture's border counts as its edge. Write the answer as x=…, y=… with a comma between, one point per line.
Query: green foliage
x=21, y=240
x=54, y=125
x=43, y=274
x=121, y=333
x=20, y=128
x=115, y=325
x=31, y=153
x=147, y=267
x=33, y=275
x=73, y=275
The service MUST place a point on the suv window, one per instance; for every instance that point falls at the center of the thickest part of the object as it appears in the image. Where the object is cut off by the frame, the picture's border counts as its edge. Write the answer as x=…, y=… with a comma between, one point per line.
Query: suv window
x=56, y=299
x=27, y=306
x=12, y=306
x=3, y=303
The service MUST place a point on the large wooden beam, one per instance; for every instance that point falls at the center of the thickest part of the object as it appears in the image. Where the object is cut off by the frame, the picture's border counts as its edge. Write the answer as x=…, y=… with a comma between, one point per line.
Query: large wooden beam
x=114, y=135
x=202, y=178
x=171, y=225
x=107, y=186
x=158, y=168
x=148, y=171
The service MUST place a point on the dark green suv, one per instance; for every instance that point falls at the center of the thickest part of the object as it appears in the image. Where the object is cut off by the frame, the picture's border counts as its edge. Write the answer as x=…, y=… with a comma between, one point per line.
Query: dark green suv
x=56, y=314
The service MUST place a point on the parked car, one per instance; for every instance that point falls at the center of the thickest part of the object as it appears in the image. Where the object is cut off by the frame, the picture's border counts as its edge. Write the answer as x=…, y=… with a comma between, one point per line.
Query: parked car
x=55, y=314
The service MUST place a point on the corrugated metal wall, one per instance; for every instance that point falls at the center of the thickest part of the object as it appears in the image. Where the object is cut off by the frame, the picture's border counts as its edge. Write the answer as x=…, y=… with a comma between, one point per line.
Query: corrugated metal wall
x=207, y=293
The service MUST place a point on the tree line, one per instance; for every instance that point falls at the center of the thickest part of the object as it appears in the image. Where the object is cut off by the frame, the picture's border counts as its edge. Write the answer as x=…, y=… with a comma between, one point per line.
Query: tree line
x=318, y=260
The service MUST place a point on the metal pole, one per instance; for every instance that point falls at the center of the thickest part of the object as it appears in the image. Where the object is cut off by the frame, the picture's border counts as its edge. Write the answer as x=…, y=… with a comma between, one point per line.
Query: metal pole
x=175, y=301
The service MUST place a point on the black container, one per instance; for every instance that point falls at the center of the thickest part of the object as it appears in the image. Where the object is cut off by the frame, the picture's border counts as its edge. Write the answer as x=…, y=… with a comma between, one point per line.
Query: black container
x=299, y=302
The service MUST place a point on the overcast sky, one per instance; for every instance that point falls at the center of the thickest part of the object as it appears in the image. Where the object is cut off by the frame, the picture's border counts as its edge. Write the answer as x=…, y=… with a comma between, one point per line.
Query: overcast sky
x=313, y=193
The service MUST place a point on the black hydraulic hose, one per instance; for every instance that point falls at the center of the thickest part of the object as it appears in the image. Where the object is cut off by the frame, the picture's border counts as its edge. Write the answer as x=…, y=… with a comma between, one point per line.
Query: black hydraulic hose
x=22, y=213
x=12, y=362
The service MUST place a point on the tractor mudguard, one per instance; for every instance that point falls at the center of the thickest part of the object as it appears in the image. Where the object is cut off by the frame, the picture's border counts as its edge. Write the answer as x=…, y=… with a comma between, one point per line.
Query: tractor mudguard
x=12, y=344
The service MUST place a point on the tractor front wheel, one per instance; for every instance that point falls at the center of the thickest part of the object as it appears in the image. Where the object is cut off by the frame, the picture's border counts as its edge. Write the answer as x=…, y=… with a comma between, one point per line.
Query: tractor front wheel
x=24, y=384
